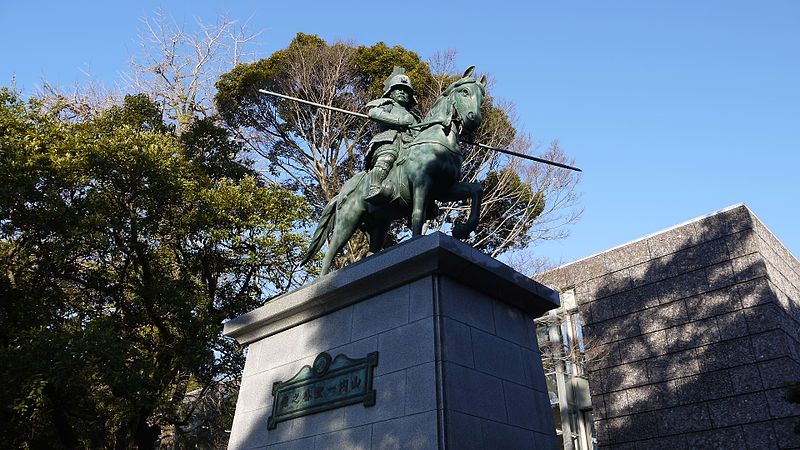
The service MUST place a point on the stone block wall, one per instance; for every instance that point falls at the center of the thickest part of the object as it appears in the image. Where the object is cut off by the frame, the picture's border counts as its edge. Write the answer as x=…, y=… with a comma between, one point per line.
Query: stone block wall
x=692, y=334
x=399, y=325
x=494, y=385
x=457, y=367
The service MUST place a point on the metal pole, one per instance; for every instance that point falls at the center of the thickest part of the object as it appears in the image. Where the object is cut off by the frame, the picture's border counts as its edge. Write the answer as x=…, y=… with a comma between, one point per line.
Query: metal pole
x=364, y=116
x=557, y=348
x=522, y=155
x=318, y=105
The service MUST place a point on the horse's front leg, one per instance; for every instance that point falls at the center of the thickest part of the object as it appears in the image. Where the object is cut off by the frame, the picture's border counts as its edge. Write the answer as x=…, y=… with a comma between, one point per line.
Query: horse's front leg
x=377, y=236
x=464, y=191
x=420, y=202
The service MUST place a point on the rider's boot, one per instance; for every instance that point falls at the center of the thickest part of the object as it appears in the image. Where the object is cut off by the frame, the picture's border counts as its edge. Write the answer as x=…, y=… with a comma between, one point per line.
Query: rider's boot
x=377, y=194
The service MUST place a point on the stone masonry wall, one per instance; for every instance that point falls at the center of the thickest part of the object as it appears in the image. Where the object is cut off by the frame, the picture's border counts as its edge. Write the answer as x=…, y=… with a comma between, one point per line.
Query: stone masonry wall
x=457, y=369
x=692, y=334
x=495, y=391
x=399, y=325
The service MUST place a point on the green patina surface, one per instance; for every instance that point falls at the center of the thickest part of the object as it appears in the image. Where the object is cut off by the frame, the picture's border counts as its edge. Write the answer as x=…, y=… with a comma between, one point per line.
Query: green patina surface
x=327, y=384
x=427, y=168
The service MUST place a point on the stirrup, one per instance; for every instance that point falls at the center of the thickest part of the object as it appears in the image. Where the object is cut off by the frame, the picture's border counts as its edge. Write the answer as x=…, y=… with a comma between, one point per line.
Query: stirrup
x=378, y=196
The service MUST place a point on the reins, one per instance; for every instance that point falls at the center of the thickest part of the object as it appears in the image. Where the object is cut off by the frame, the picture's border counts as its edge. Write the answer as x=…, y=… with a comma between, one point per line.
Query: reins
x=455, y=118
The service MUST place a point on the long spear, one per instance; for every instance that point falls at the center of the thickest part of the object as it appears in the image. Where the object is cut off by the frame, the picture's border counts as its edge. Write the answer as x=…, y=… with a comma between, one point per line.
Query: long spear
x=364, y=116
x=522, y=155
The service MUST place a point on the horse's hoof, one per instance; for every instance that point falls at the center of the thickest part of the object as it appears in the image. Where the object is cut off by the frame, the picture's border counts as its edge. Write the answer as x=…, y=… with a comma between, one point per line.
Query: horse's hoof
x=460, y=232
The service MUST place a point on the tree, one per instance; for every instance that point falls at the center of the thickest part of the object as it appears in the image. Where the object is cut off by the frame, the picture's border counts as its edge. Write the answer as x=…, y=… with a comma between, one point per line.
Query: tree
x=123, y=248
x=312, y=151
x=177, y=68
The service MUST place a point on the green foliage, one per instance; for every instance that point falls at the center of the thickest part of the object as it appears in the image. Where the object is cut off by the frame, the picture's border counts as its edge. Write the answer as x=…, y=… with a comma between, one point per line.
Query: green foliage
x=374, y=63
x=123, y=248
x=238, y=100
x=137, y=111
x=214, y=149
x=237, y=96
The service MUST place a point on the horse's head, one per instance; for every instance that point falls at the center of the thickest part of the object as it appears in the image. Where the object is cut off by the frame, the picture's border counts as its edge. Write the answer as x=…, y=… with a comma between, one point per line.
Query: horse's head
x=461, y=102
x=467, y=95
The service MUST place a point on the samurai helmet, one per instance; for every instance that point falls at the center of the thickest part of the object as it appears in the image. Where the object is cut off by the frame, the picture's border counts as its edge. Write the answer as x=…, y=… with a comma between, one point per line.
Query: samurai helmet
x=399, y=78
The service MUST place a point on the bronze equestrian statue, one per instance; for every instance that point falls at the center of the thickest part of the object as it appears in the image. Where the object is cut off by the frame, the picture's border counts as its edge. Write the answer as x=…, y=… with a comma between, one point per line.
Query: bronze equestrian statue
x=426, y=169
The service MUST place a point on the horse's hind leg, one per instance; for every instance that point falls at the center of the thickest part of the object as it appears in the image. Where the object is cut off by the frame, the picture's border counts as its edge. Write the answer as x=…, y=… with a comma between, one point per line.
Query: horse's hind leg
x=347, y=218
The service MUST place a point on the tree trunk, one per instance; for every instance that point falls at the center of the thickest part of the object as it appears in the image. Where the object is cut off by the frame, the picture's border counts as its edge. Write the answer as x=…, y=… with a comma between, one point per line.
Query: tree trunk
x=145, y=435
x=65, y=433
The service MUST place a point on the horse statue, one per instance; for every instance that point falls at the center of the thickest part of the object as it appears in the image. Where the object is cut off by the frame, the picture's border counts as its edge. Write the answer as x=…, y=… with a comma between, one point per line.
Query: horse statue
x=426, y=170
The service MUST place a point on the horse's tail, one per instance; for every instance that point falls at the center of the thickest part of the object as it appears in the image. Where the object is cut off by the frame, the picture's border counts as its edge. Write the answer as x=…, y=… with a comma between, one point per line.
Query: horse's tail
x=326, y=223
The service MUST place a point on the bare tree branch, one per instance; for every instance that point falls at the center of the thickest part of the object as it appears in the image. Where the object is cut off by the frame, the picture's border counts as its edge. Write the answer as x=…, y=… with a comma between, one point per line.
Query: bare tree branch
x=178, y=68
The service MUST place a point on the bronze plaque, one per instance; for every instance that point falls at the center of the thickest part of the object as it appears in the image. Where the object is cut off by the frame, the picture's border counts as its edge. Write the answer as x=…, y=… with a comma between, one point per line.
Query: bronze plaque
x=327, y=384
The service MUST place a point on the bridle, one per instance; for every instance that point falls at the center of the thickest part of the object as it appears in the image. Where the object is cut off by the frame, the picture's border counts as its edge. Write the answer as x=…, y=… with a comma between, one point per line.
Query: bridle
x=457, y=115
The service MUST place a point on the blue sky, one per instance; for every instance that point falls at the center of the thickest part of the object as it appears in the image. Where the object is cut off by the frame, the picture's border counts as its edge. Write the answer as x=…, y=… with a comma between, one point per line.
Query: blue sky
x=673, y=109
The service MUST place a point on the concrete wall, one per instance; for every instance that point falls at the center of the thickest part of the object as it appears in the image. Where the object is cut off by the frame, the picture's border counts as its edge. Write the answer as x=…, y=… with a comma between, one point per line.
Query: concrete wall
x=692, y=333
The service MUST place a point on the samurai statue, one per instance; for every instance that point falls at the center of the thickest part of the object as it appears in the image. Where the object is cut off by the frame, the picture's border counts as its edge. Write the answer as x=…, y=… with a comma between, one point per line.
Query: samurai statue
x=394, y=119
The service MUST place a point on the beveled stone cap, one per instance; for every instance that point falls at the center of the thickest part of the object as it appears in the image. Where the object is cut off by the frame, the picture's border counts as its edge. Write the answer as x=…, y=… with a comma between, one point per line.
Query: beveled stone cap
x=433, y=254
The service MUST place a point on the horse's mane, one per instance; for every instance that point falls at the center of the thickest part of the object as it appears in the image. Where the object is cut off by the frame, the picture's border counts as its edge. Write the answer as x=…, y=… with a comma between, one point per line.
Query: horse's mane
x=442, y=109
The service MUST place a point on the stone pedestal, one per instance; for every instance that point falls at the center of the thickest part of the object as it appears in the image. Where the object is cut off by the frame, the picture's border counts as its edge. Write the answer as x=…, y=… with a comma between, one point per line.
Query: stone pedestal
x=458, y=365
